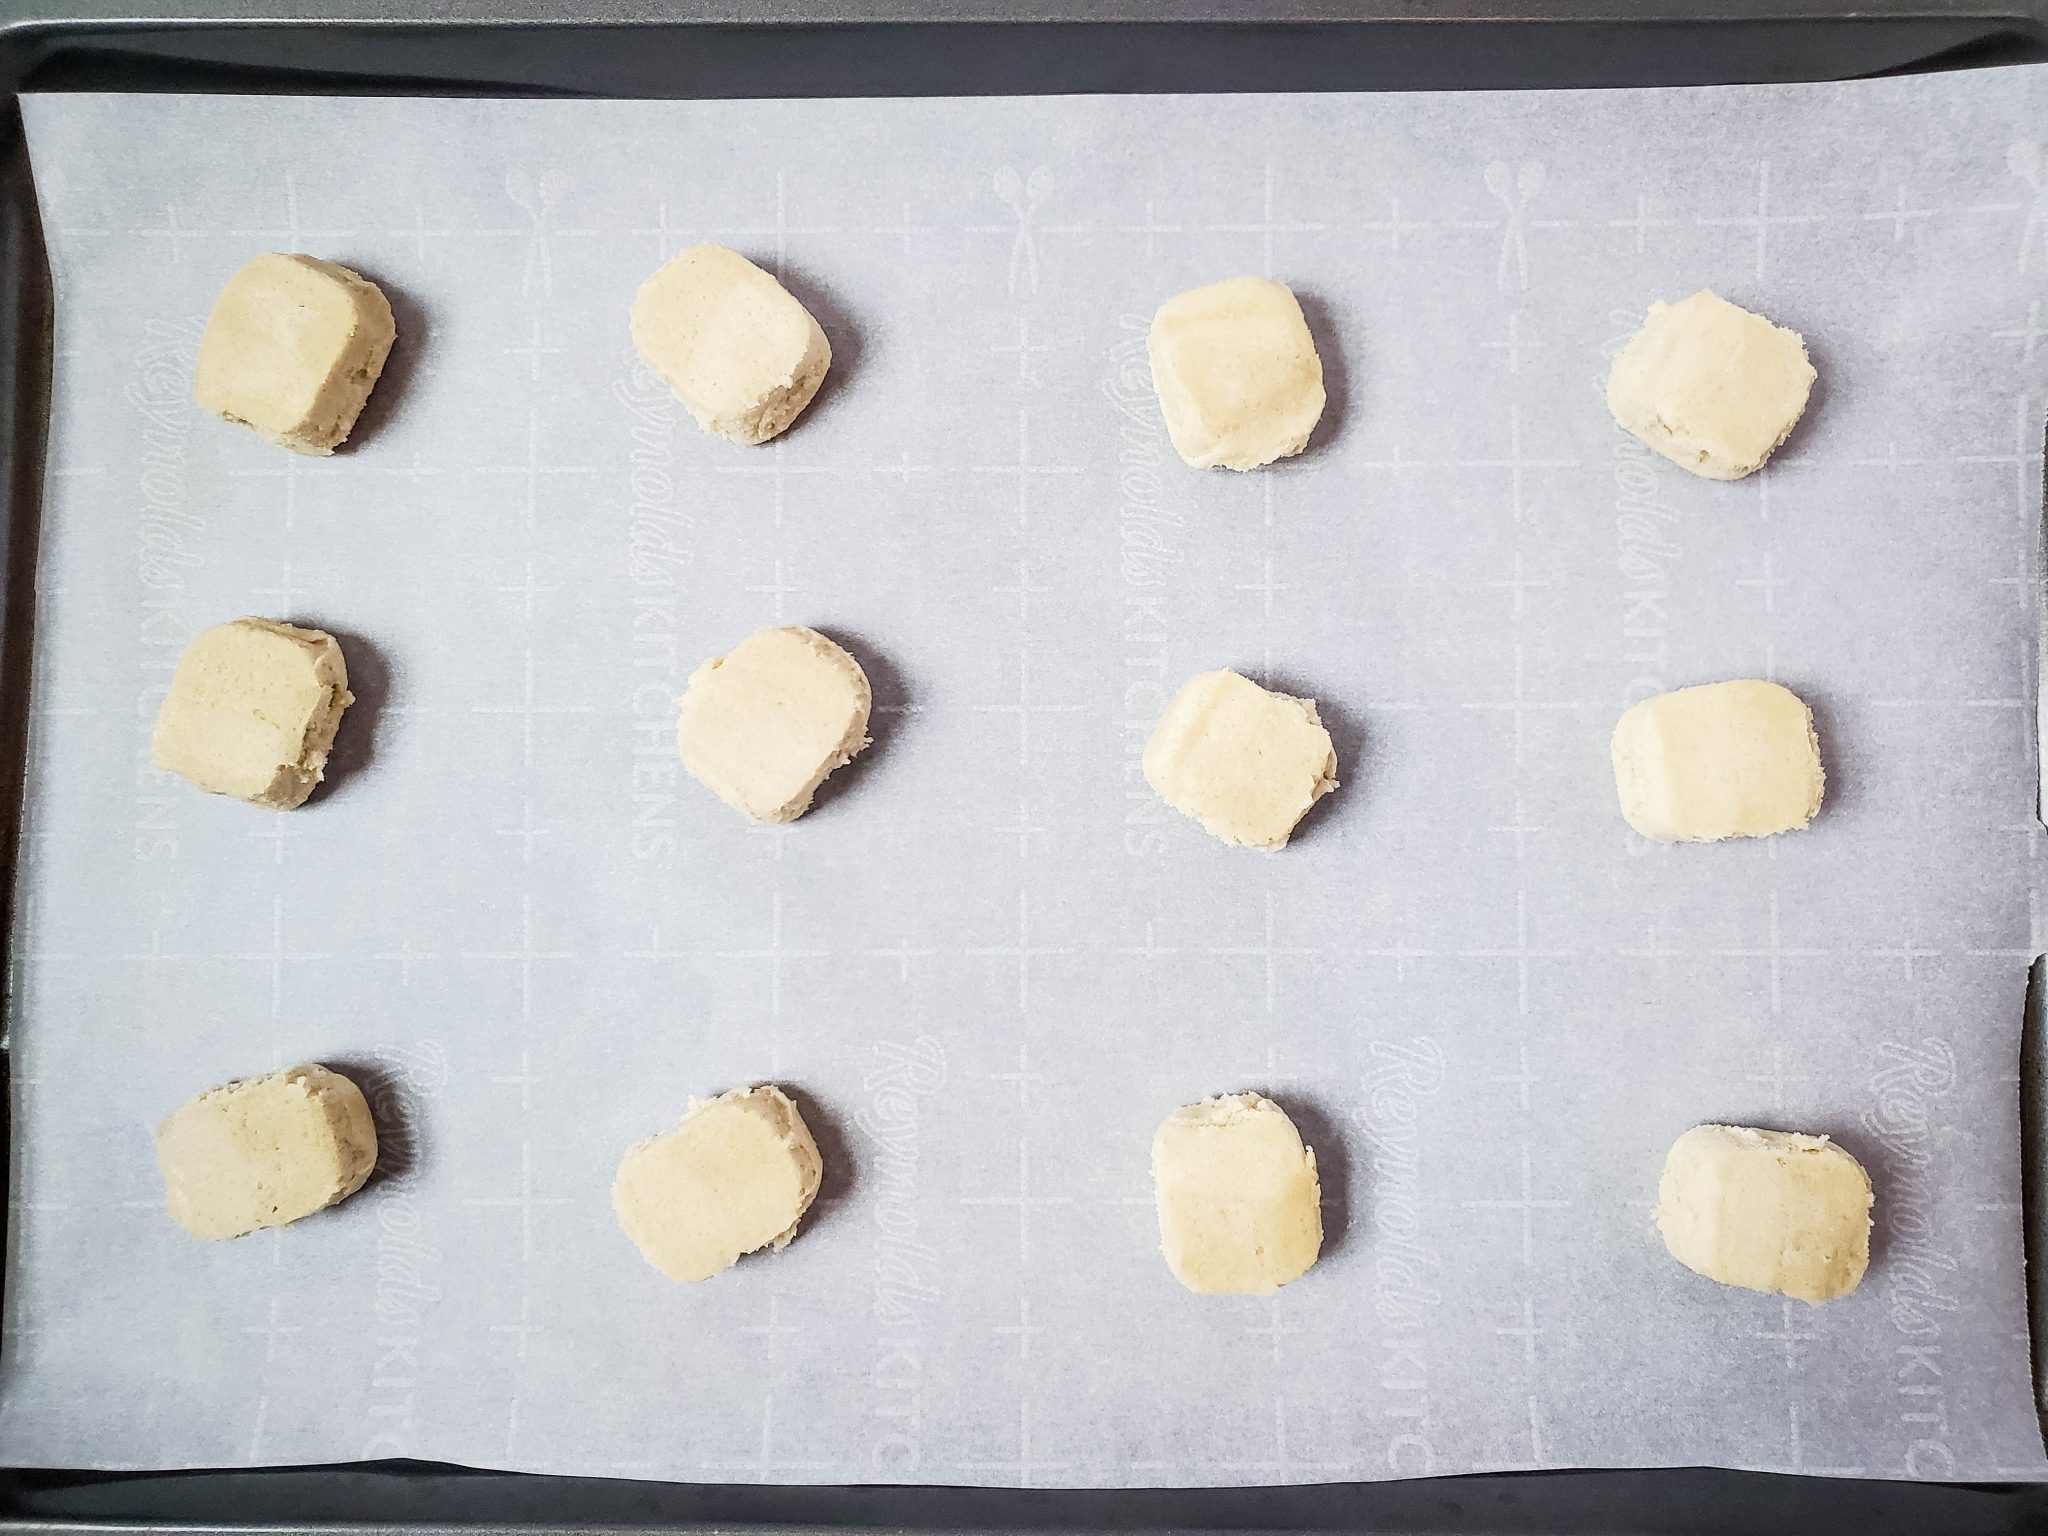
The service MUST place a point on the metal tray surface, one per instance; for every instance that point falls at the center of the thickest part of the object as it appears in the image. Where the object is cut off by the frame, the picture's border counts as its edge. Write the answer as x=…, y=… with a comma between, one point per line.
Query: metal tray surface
x=894, y=47
x=699, y=48
x=411, y=1499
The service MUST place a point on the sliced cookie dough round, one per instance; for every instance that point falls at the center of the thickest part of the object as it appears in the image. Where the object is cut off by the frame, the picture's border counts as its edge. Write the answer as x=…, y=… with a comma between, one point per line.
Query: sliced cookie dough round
x=265, y=1151
x=736, y=347
x=734, y=1177
x=763, y=726
x=1772, y=1211
x=292, y=349
x=252, y=711
x=1244, y=761
x=1710, y=386
x=1240, y=1207
x=1236, y=372
x=1718, y=760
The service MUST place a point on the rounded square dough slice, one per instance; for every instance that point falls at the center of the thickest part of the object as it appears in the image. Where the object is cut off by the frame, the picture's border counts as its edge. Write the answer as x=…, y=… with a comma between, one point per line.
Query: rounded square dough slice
x=1734, y=759
x=734, y=345
x=734, y=1177
x=1240, y=1208
x=1245, y=762
x=265, y=1151
x=252, y=711
x=761, y=728
x=1767, y=1211
x=1237, y=374
x=1710, y=386
x=292, y=349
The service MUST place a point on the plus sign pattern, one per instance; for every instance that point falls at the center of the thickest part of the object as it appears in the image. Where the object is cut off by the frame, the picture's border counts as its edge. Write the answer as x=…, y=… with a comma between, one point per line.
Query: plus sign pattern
x=989, y=962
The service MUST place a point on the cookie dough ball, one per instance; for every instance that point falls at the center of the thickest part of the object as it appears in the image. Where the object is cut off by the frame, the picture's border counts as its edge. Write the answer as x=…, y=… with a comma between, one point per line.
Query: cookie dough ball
x=265, y=1151
x=1240, y=1211
x=292, y=349
x=1766, y=1210
x=739, y=351
x=1237, y=374
x=252, y=711
x=1737, y=759
x=763, y=727
x=735, y=1176
x=1712, y=387
x=1245, y=762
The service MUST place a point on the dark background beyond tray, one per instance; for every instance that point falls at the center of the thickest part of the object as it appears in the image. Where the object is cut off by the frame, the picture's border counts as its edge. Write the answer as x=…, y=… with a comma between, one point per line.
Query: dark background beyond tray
x=932, y=47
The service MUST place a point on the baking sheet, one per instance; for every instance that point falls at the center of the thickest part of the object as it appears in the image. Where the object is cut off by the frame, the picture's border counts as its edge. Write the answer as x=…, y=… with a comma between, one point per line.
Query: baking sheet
x=989, y=962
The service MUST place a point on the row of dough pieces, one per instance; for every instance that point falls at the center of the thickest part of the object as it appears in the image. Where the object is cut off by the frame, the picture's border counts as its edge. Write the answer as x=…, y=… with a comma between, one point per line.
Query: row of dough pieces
x=1239, y=1203
x=294, y=346
x=254, y=706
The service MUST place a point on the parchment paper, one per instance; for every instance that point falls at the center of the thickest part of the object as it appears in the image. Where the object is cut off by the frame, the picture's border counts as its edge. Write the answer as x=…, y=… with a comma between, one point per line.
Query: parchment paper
x=990, y=962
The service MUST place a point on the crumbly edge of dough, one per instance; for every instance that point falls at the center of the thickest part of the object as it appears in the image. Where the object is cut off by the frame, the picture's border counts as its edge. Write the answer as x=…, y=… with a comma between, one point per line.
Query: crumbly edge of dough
x=772, y=416
x=296, y=780
x=1222, y=1110
x=369, y=346
x=1820, y=772
x=851, y=745
x=1326, y=776
x=1661, y=438
x=1245, y=463
x=794, y=1136
x=1287, y=450
x=346, y=1108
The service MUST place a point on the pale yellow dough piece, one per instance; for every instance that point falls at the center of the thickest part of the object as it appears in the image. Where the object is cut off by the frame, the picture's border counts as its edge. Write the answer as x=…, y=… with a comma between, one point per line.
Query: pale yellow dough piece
x=1236, y=372
x=763, y=727
x=736, y=347
x=1712, y=387
x=1738, y=759
x=292, y=350
x=252, y=711
x=1245, y=762
x=735, y=1176
x=1766, y=1210
x=1240, y=1209
x=265, y=1151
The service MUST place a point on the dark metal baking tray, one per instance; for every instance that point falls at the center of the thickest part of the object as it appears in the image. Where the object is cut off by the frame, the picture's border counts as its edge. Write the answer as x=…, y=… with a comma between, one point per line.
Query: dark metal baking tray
x=702, y=48
x=986, y=47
